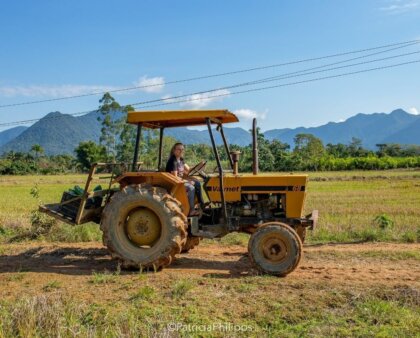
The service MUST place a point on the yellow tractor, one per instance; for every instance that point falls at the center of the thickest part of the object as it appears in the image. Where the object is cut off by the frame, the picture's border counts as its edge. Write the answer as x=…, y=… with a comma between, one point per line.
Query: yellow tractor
x=144, y=213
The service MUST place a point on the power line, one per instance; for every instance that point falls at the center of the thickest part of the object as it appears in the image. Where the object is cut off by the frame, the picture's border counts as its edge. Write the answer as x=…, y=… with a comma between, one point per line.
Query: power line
x=339, y=62
x=238, y=92
x=15, y=123
x=402, y=44
x=287, y=84
x=270, y=79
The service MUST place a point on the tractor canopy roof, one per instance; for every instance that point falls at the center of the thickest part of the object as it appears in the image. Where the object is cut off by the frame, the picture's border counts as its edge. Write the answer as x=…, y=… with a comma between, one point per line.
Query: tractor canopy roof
x=179, y=118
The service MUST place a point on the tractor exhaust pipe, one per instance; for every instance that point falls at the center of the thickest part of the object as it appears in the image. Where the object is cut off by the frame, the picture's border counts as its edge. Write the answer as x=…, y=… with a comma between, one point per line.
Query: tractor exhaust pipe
x=235, y=158
x=254, y=147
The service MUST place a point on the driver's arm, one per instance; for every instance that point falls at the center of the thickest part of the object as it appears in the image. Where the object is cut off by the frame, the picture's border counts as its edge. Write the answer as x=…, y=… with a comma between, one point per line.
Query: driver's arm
x=175, y=173
x=186, y=169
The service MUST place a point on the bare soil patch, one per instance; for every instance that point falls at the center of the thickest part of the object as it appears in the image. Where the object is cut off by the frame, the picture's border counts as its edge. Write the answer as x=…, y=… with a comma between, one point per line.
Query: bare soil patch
x=28, y=268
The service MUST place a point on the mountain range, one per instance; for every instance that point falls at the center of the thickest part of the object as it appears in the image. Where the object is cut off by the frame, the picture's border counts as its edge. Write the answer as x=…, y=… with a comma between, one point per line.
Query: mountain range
x=9, y=134
x=60, y=133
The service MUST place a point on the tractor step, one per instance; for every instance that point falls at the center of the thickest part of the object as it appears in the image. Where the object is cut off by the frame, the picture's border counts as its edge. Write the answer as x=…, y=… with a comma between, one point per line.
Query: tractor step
x=206, y=231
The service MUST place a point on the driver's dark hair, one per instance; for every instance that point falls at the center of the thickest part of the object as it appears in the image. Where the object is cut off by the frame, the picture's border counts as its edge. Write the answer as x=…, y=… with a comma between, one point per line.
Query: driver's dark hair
x=173, y=148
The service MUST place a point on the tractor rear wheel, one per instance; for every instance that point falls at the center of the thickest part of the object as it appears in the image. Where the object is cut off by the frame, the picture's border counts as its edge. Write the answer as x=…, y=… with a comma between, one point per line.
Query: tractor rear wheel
x=143, y=226
x=275, y=249
x=191, y=243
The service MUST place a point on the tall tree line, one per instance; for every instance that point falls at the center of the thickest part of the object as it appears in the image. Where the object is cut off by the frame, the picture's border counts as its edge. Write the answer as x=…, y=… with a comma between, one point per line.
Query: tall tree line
x=117, y=140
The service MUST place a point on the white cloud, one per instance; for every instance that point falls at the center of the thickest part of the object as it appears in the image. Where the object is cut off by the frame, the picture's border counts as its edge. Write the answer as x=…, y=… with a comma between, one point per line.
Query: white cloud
x=248, y=114
x=150, y=84
x=413, y=110
x=53, y=91
x=198, y=101
x=168, y=98
x=400, y=6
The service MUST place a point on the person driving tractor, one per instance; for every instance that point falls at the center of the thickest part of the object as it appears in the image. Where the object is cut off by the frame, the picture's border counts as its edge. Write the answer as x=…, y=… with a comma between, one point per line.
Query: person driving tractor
x=144, y=221
x=179, y=168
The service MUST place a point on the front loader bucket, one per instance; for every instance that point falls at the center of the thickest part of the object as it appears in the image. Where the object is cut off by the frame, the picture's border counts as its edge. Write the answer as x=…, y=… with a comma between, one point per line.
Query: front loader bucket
x=76, y=210
x=53, y=210
x=87, y=205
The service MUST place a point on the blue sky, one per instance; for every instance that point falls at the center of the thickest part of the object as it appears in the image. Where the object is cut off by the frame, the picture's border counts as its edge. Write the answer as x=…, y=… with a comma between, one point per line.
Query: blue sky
x=53, y=49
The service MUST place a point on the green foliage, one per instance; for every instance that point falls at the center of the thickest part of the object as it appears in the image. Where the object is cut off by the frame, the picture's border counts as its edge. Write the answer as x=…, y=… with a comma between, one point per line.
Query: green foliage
x=397, y=150
x=41, y=223
x=411, y=236
x=144, y=293
x=51, y=286
x=307, y=149
x=105, y=277
x=116, y=135
x=15, y=163
x=37, y=149
x=235, y=238
x=125, y=148
x=384, y=222
x=62, y=232
x=110, y=126
x=181, y=287
x=117, y=142
x=88, y=153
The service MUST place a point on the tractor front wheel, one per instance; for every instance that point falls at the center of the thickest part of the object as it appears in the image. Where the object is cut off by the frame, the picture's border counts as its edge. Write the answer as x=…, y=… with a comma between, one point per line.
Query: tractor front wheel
x=143, y=227
x=275, y=249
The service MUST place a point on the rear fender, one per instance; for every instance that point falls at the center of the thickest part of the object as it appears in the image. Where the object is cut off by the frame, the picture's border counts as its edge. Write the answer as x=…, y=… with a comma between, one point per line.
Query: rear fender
x=174, y=185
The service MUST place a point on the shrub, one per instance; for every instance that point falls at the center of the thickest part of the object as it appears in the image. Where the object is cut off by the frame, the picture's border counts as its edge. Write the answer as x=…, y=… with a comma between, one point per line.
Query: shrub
x=384, y=222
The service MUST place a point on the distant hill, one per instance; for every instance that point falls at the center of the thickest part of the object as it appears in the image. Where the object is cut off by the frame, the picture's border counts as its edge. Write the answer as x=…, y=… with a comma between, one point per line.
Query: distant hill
x=236, y=136
x=10, y=134
x=407, y=135
x=59, y=133
x=398, y=127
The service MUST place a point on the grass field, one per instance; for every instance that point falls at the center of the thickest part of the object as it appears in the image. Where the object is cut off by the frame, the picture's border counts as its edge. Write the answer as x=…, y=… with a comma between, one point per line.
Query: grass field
x=50, y=287
x=348, y=203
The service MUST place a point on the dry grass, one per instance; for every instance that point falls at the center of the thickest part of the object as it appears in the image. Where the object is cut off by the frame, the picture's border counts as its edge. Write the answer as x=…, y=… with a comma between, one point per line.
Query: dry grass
x=365, y=290
x=348, y=203
x=51, y=293
x=348, y=209
x=315, y=310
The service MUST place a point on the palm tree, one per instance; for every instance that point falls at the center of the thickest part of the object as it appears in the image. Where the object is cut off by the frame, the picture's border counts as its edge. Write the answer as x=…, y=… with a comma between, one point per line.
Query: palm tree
x=38, y=150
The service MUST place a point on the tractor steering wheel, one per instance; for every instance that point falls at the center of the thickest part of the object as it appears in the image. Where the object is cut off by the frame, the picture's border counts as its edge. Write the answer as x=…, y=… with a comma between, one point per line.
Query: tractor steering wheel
x=198, y=169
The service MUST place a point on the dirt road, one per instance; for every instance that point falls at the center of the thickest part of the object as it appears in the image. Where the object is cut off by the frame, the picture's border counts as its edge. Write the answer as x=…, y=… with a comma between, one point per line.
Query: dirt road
x=32, y=268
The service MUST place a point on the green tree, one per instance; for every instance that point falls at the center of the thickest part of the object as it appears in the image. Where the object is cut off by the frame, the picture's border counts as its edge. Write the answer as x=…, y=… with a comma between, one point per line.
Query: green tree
x=308, y=149
x=338, y=150
x=88, y=153
x=281, y=154
x=127, y=141
x=265, y=157
x=112, y=127
x=356, y=149
x=37, y=150
x=389, y=149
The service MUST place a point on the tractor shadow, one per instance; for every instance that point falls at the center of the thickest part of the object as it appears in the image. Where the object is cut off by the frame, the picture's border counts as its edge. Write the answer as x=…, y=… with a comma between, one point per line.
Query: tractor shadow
x=212, y=268
x=69, y=261
x=85, y=261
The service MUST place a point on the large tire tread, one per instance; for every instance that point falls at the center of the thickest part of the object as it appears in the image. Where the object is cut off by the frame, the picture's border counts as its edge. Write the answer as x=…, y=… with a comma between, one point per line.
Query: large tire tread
x=190, y=244
x=171, y=207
